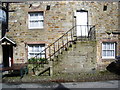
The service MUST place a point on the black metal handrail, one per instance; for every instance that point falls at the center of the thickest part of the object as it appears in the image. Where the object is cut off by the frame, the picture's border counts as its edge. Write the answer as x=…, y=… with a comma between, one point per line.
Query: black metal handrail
x=65, y=40
x=59, y=46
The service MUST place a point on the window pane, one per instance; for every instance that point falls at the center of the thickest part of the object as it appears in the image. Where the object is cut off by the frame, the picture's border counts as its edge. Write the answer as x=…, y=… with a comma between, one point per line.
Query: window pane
x=31, y=55
x=107, y=46
x=110, y=53
x=36, y=20
x=37, y=54
x=34, y=50
x=103, y=46
x=40, y=17
x=35, y=24
x=30, y=49
x=108, y=49
x=43, y=56
x=40, y=24
x=113, y=53
x=43, y=49
x=113, y=46
x=31, y=24
x=104, y=53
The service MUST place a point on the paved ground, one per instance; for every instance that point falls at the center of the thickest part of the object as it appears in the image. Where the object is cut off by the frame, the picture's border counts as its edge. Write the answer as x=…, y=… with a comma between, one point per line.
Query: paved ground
x=66, y=86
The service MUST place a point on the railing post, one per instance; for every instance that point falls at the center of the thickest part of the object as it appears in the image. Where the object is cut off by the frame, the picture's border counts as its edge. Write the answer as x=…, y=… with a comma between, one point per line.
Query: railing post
x=41, y=54
x=67, y=40
x=72, y=35
x=54, y=49
x=45, y=54
x=81, y=32
x=75, y=29
x=62, y=43
x=50, y=53
x=89, y=32
x=94, y=33
x=51, y=68
x=58, y=47
x=75, y=32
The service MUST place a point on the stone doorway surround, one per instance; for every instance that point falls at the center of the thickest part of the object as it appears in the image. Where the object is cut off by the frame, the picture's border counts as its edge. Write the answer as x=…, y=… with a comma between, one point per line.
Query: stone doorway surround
x=7, y=49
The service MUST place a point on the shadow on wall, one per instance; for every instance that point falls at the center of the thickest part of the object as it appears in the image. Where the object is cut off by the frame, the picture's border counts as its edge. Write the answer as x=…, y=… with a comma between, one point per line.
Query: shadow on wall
x=114, y=66
x=61, y=87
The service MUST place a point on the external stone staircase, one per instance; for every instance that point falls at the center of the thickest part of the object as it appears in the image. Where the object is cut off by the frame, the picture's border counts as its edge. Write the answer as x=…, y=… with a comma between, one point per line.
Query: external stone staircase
x=81, y=57
x=70, y=54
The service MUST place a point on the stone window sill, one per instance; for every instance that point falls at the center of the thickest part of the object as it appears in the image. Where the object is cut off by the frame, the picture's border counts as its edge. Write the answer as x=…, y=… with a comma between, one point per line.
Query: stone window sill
x=37, y=29
x=109, y=59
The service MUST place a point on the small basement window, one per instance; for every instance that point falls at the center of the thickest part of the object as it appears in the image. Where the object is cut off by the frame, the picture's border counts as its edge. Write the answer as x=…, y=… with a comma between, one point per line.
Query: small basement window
x=34, y=49
x=108, y=50
x=35, y=20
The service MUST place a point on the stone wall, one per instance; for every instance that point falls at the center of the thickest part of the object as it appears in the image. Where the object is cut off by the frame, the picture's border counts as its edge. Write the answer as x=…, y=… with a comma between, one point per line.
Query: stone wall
x=81, y=57
x=58, y=20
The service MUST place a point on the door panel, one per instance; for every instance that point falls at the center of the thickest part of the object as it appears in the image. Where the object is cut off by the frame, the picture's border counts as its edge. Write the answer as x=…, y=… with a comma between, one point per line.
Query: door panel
x=82, y=22
x=7, y=55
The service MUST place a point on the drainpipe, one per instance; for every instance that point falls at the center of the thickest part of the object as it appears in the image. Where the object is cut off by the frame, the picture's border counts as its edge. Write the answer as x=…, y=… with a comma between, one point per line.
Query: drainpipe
x=0, y=23
x=119, y=26
x=5, y=26
x=7, y=15
x=0, y=38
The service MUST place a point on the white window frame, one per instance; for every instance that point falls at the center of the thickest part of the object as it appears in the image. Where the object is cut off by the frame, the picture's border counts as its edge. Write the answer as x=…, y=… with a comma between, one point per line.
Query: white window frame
x=32, y=50
x=107, y=47
x=39, y=18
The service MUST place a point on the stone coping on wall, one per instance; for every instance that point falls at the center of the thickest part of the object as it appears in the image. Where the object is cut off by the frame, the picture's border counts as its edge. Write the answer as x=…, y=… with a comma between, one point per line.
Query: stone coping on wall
x=37, y=42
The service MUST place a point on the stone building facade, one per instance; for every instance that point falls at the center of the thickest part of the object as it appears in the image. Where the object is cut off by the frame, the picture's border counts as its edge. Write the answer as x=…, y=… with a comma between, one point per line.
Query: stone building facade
x=58, y=18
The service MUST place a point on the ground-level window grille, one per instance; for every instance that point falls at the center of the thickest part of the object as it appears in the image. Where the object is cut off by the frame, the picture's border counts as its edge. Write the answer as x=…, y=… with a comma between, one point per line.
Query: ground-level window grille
x=35, y=49
x=108, y=50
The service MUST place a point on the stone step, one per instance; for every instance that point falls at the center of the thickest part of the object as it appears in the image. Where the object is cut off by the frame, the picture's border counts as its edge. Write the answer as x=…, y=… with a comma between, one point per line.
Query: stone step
x=81, y=56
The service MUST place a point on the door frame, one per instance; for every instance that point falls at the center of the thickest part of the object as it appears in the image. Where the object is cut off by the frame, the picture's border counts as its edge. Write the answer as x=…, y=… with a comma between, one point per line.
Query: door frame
x=7, y=56
x=6, y=42
x=76, y=21
x=87, y=14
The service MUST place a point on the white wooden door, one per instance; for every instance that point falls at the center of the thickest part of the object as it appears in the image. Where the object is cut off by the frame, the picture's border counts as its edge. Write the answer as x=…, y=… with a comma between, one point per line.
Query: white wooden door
x=81, y=22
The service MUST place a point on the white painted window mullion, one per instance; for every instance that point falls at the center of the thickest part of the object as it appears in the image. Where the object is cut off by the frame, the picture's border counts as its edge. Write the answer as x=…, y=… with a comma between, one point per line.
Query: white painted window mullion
x=108, y=50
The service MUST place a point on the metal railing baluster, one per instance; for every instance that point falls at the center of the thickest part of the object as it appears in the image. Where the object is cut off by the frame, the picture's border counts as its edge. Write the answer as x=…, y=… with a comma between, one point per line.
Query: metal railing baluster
x=64, y=41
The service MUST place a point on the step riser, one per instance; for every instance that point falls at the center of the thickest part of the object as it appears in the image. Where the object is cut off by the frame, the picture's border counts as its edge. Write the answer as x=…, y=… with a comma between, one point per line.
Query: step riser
x=80, y=57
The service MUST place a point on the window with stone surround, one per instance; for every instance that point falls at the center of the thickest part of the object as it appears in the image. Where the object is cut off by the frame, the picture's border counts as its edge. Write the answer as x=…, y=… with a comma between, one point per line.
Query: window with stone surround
x=108, y=50
x=35, y=20
x=34, y=49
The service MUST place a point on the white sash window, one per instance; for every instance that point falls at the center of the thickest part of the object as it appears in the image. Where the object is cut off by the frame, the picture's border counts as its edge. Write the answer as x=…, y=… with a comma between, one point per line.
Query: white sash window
x=36, y=20
x=108, y=50
x=35, y=49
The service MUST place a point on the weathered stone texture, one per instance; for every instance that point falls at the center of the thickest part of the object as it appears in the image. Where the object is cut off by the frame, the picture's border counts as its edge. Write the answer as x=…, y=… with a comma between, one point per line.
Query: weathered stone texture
x=58, y=20
x=80, y=57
